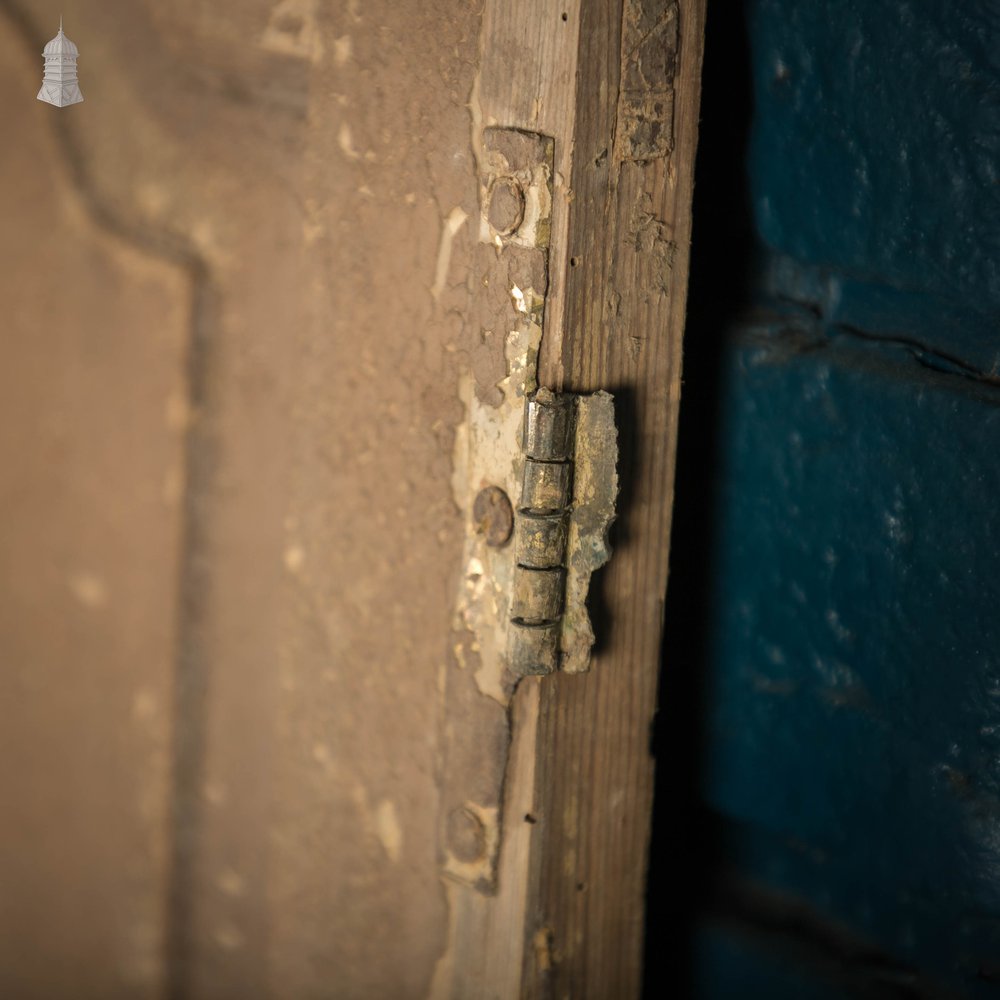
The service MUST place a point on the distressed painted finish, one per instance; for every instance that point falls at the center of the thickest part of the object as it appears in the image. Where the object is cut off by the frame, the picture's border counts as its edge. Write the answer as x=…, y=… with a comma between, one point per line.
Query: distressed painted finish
x=729, y=966
x=873, y=164
x=296, y=165
x=92, y=416
x=276, y=263
x=578, y=784
x=856, y=705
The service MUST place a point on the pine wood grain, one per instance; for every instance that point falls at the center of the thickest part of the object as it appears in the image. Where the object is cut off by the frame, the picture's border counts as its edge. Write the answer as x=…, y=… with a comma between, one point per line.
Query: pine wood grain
x=526, y=79
x=629, y=236
x=617, y=86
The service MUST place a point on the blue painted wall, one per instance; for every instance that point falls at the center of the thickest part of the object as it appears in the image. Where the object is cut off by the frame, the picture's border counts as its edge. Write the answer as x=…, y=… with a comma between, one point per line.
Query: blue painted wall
x=849, y=645
x=854, y=741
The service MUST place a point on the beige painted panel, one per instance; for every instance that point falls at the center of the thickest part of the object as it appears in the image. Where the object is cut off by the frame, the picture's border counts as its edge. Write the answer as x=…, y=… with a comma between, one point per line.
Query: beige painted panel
x=301, y=160
x=91, y=479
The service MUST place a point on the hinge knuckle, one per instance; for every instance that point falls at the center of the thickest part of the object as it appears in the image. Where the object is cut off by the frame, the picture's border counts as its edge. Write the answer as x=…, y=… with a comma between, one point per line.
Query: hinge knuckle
x=546, y=486
x=541, y=532
x=534, y=649
x=538, y=595
x=548, y=427
x=540, y=539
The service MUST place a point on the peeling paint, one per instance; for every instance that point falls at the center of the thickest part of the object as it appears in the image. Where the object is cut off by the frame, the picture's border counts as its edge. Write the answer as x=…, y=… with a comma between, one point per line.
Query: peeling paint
x=522, y=162
x=292, y=29
x=388, y=830
x=346, y=142
x=89, y=590
x=454, y=222
x=144, y=706
x=342, y=50
x=228, y=937
x=487, y=453
x=542, y=942
x=230, y=882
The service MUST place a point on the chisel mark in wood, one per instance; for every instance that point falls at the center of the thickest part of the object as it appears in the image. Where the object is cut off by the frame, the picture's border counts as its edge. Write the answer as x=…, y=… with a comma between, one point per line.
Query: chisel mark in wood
x=645, y=128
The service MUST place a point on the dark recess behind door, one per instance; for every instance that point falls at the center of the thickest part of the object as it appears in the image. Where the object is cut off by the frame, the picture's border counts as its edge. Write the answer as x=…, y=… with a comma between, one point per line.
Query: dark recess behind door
x=828, y=741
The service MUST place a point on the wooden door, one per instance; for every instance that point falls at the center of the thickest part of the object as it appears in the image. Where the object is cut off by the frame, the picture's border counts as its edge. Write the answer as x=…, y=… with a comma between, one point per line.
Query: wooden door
x=242, y=286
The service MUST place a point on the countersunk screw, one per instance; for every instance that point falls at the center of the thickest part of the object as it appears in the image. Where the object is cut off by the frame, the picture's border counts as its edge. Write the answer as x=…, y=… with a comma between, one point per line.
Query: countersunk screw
x=493, y=516
x=506, y=205
x=466, y=835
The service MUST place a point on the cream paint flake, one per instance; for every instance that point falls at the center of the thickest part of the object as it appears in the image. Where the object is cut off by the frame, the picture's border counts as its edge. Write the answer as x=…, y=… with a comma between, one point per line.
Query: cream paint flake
x=488, y=453
x=388, y=830
x=342, y=50
x=89, y=590
x=346, y=142
x=294, y=557
x=449, y=229
x=231, y=883
x=292, y=29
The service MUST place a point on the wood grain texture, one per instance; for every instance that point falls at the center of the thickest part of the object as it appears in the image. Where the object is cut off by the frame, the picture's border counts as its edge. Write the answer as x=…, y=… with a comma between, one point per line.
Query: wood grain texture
x=526, y=80
x=629, y=236
x=569, y=904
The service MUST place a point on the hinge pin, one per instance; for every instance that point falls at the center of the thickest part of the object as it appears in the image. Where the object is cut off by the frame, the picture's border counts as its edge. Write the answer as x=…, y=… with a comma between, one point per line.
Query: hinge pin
x=548, y=427
x=541, y=534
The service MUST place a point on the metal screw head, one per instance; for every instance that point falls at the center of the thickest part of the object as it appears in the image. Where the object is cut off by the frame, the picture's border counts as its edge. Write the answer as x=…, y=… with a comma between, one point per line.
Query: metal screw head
x=466, y=835
x=493, y=516
x=506, y=205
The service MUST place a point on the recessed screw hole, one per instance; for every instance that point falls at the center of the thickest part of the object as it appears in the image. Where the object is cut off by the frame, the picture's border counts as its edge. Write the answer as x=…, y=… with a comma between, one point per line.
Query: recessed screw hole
x=565, y=16
x=573, y=261
x=580, y=887
x=528, y=818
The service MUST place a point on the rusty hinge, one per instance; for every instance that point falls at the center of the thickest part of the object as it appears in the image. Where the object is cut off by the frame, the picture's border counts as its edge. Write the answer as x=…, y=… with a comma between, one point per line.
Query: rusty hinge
x=535, y=478
x=540, y=531
x=552, y=453
x=568, y=489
